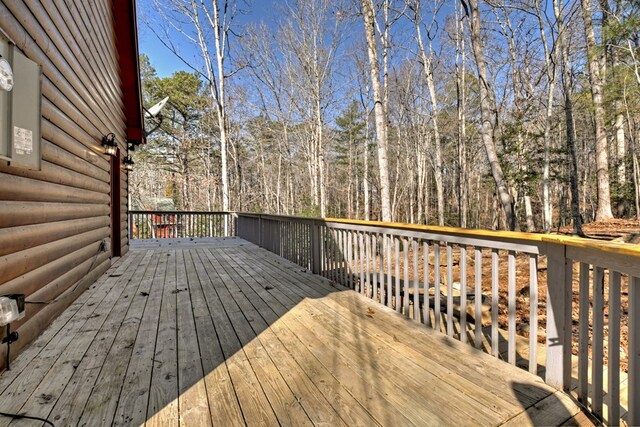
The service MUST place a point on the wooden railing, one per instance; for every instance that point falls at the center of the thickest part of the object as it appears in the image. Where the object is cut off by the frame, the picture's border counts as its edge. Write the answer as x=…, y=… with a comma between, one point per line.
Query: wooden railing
x=555, y=291
x=180, y=224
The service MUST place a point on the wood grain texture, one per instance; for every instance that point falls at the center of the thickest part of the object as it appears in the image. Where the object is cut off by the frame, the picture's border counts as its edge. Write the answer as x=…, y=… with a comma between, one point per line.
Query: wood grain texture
x=51, y=218
x=225, y=333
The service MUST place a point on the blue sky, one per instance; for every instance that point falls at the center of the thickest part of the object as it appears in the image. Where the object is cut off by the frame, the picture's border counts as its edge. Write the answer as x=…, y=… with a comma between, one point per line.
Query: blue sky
x=162, y=59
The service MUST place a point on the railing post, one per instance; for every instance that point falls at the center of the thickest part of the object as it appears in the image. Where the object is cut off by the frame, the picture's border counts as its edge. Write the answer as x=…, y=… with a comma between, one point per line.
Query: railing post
x=130, y=226
x=634, y=352
x=315, y=247
x=260, y=242
x=559, y=292
x=235, y=218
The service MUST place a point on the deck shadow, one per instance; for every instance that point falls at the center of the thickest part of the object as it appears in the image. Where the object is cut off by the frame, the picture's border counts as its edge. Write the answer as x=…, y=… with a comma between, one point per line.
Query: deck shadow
x=233, y=334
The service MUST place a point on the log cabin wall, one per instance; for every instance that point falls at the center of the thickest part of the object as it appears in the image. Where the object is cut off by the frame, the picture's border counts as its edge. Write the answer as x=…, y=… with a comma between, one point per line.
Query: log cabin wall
x=53, y=220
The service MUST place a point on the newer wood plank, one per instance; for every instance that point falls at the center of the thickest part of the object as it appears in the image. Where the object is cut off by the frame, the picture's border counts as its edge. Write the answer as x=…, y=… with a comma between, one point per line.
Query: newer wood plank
x=352, y=382
x=404, y=332
x=253, y=402
x=223, y=402
x=283, y=402
x=267, y=313
x=380, y=350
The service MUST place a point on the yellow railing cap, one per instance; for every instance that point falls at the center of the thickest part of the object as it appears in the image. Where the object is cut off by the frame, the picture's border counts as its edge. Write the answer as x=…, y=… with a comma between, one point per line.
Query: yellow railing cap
x=582, y=242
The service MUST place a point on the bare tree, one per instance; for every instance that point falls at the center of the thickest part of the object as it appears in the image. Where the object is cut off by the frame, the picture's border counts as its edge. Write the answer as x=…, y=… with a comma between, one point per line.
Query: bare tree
x=596, y=61
x=567, y=83
x=368, y=13
x=489, y=115
x=550, y=71
x=427, y=59
x=310, y=39
x=463, y=185
x=195, y=20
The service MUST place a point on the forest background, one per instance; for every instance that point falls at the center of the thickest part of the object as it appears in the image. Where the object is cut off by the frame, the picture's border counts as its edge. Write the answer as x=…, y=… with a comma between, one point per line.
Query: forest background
x=520, y=114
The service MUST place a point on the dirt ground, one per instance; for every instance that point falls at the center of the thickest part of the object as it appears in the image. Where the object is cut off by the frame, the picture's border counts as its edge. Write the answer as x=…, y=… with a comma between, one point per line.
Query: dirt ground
x=616, y=229
x=620, y=230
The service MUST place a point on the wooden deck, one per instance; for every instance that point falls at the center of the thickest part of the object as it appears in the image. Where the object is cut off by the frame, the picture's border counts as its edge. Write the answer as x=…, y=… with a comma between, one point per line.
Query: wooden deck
x=220, y=332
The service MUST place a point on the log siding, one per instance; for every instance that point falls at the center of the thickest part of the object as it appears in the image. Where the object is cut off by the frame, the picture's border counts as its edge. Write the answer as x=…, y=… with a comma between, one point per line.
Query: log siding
x=53, y=221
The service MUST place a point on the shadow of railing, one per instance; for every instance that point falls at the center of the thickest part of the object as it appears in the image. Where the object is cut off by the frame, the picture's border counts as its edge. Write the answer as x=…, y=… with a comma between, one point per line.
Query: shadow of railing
x=256, y=311
x=397, y=264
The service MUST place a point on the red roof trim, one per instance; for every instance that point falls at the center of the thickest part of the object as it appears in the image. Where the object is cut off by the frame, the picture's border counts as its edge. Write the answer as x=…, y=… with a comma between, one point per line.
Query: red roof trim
x=126, y=31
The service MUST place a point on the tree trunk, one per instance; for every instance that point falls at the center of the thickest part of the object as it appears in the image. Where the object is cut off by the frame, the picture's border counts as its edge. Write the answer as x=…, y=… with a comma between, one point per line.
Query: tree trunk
x=567, y=83
x=463, y=185
x=550, y=66
x=379, y=108
x=365, y=174
x=489, y=118
x=596, y=63
x=428, y=74
x=636, y=180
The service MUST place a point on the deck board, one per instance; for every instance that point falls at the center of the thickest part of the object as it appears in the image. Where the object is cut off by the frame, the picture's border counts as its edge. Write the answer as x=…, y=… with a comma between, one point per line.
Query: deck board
x=221, y=332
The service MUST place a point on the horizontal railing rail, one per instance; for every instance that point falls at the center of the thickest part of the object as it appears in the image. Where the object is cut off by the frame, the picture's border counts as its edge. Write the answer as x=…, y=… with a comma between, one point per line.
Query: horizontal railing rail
x=507, y=293
x=180, y=224
x=554, y=289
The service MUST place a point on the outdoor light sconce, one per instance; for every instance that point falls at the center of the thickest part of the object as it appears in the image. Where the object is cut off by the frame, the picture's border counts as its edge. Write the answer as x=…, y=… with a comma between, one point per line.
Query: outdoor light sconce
x=128, y=163
x=110, y=145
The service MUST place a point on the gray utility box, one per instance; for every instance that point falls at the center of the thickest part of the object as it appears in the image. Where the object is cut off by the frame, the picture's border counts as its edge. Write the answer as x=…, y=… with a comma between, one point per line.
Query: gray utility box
x=20, y=113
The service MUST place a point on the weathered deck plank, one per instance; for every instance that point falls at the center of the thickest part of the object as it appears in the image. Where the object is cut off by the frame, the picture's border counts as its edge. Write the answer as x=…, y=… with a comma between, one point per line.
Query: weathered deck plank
x=162, y=408
x=221, y=332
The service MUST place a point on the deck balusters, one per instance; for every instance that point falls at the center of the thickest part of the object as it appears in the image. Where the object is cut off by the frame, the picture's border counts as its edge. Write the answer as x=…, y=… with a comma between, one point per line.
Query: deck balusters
x=449, y=290
x=363, y=260
x=597, y=351
x=426, y=287
x=463, y=293
x=396, y=244
x=177, y=224
x=374, y=272
x=405, y=265
x=511, y=291
x=381, y=247
x=416, y=282
x=478, y=297
x=495, y=297
x=533, y=314
x=388, y=248
x=436, y=284
x=614, y=347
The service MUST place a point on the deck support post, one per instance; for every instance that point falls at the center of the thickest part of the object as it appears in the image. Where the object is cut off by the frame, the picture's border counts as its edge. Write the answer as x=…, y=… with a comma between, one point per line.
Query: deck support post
x=634, y=352
x=315, y=248
x=559, y=293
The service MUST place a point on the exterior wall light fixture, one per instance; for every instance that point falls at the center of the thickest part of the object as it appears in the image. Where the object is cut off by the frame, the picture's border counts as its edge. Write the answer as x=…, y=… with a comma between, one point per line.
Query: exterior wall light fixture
x=110, y=145
x=128, y=163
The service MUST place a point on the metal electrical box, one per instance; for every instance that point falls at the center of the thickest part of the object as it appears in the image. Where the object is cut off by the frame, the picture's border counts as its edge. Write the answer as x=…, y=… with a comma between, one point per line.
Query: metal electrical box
x=20, y=112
